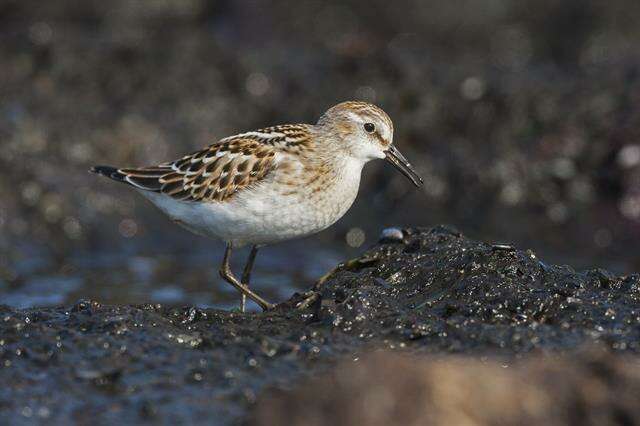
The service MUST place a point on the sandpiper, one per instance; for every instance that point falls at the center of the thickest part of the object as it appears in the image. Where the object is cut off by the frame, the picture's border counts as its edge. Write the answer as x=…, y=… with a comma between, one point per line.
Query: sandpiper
x=272, y=184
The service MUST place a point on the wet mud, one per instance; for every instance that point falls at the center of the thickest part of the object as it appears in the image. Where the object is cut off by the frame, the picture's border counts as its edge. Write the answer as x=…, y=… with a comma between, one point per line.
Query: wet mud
x=585, y=388
x=425, y=292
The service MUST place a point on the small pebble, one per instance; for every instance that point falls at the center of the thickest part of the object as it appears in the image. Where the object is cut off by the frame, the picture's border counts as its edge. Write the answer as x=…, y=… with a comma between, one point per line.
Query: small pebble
x=391, y=235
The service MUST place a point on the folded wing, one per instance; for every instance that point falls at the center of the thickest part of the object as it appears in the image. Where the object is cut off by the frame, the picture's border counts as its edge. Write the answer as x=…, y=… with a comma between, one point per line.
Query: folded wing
x=212, y=174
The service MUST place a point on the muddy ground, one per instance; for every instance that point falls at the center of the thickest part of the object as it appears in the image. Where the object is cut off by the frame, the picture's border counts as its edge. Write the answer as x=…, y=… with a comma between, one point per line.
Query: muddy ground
x=422, y=292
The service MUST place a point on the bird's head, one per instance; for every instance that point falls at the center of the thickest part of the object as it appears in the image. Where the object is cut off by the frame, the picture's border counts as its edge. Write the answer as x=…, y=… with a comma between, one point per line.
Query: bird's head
x=365, y=132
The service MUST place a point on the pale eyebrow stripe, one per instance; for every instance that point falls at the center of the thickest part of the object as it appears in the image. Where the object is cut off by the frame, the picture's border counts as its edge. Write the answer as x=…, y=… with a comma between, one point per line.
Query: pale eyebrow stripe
x=353, y=116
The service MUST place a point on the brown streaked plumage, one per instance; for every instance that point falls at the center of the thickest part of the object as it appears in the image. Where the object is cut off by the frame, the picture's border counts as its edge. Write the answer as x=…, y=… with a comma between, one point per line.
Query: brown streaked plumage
x=222, y=169
x=271, y=184
x=363, y=108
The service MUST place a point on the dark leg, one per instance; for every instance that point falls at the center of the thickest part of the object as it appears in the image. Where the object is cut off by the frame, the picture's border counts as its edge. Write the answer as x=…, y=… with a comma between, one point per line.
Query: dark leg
x=227, y=275
x=246, y=275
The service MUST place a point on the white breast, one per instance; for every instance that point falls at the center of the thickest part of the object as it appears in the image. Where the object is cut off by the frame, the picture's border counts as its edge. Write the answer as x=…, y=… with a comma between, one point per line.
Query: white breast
x=268, y=213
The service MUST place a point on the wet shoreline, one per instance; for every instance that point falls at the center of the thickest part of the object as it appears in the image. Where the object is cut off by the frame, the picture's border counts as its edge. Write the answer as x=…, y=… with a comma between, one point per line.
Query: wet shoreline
x=422, y=292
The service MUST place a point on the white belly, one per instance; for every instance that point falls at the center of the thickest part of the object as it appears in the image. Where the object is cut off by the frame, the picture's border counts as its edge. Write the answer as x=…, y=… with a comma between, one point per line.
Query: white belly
x=263, y=215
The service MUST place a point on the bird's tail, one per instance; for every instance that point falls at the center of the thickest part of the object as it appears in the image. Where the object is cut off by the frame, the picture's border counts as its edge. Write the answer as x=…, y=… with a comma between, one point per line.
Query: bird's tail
x=110, y=172
x=147, y=178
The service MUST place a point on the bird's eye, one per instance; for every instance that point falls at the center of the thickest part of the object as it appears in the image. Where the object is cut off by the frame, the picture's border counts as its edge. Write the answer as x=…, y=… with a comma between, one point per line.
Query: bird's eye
x=369, y=127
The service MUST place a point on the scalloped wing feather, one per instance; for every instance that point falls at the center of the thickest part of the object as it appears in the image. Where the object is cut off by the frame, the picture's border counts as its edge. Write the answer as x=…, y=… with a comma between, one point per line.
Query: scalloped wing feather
x=219, y=171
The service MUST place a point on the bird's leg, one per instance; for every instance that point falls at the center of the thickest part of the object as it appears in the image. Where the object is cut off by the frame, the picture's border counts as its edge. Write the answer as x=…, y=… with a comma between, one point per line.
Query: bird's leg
x=227, y=275
x=310, y=297
x=246, y=275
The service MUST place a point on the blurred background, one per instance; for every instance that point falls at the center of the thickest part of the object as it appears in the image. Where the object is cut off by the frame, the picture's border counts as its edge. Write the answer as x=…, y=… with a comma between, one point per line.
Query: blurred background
x=522, y=116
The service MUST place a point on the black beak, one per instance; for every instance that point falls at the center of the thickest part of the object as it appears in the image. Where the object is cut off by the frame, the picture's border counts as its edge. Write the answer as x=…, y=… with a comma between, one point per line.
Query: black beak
x=401, y=163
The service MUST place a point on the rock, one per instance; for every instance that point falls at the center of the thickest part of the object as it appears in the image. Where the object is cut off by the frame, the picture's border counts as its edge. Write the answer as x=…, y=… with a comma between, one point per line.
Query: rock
x=437, y=293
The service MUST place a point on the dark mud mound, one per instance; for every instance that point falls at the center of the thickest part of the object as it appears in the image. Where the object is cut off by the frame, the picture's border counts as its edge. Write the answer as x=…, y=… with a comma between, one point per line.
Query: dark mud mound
x=584, y=389
x=420, y=290
x=459, y=295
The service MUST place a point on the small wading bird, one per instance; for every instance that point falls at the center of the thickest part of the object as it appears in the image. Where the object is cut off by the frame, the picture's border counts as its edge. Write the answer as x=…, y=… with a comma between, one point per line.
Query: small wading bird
x=269, y=185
